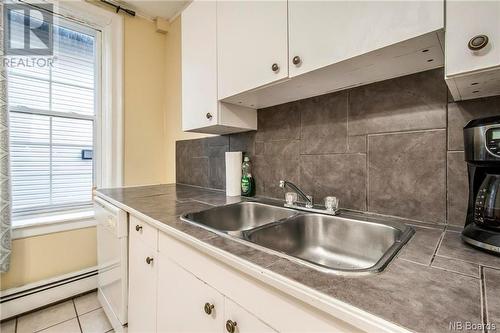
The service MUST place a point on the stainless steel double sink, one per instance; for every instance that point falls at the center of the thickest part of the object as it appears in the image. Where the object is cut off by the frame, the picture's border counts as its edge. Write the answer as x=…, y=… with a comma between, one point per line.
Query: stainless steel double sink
x=348, y=243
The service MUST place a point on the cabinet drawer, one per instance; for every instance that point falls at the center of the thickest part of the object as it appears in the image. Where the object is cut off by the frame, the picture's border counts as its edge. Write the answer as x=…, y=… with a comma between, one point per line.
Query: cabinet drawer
x=143, y=232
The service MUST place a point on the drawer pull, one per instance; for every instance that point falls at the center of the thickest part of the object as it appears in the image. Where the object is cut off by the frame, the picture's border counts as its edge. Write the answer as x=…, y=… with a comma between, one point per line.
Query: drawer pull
x=138, y=227
x=231, y=326
x=208, y=308
x=149, y=260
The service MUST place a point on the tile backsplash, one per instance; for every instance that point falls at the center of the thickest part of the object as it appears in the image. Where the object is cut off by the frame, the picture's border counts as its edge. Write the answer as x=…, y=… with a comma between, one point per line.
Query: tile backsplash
x=393, y=147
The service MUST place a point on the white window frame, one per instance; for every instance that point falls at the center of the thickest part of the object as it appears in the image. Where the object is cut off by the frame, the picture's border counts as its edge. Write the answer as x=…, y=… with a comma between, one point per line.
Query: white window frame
x=109, y=112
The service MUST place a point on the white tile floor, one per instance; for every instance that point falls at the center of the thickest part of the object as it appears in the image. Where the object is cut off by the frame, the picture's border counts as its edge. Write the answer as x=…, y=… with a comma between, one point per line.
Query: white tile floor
x=82, y=314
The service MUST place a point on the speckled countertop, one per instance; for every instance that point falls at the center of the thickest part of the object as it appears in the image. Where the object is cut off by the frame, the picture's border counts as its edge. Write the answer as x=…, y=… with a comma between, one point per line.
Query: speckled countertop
x=435, y=279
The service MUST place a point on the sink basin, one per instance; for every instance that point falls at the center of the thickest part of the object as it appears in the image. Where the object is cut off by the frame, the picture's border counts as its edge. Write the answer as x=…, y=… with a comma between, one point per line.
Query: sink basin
x=236, y=218
x=333, y=242
x=349, y=243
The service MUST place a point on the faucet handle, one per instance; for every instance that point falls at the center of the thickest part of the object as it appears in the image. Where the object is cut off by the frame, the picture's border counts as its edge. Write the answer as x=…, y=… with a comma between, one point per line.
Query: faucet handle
x=290, y=198
x=331, y=203
x=309, y=204
x=282, y=183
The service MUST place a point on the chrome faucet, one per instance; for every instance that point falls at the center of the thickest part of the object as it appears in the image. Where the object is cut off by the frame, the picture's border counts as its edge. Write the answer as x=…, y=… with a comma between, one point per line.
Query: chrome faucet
x=308, y=199
x=331, y=203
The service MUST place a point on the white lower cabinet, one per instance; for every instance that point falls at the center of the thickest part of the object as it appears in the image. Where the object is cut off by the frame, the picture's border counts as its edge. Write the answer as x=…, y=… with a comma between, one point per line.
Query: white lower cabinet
x=183, y=289
x=240, y=320
x=143, y=274
x=187, y=304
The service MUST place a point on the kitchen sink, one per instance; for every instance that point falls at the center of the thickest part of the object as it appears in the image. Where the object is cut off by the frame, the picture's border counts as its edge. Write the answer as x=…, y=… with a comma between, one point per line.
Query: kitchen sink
x=333, y=242
x=236, y=218
x=349, y=243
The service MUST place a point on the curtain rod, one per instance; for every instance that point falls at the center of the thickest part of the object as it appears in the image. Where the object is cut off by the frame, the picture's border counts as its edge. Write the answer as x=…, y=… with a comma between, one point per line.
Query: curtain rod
x=118, y=7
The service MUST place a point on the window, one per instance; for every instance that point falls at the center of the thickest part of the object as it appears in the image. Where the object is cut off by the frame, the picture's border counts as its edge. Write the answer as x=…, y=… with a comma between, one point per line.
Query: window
x=52, y=123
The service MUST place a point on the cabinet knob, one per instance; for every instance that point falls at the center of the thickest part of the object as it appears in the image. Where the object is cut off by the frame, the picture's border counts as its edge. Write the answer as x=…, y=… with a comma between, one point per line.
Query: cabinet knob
x=275, y=67
x=231, y=326
x=149, y=260
x=478, y=42
x=208, y=308
x=138, y=227
x=296, y=60
x=209, y=116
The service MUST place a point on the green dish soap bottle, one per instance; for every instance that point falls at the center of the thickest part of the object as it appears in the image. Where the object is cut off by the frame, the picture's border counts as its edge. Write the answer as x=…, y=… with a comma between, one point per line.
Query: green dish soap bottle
x=247, y=181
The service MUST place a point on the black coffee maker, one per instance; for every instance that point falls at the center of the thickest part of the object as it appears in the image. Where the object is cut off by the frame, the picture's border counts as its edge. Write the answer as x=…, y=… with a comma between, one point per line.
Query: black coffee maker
x=482, y=154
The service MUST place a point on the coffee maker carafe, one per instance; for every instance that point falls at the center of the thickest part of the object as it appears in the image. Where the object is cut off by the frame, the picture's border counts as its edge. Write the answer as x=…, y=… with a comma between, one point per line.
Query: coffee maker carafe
x=487, y=211
x=482, y=154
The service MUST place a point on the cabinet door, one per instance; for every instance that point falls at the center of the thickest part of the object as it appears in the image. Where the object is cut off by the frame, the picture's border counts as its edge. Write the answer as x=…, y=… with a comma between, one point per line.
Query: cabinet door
x=464, y=20
x=322, y=33
x=251, y=37
x=142, y=288
x=199, y=66
x=182, y=299
x=242, y=320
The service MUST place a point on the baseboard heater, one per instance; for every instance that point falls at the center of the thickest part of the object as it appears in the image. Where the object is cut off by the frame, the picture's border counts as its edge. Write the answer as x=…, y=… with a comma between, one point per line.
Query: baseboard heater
x=16, y=301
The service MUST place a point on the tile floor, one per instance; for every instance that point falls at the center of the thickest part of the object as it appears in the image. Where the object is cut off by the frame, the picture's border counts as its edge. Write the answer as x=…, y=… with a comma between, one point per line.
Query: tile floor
x=81, y=314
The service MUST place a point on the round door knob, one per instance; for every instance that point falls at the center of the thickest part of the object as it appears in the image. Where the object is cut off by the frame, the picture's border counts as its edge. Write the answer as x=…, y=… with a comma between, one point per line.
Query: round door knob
x=208, y=308
x=296, y=60
x=209, y=116
x=138, y=227
x=231, y=326
x=149, y=260
x=478, y=42
x=275, y=68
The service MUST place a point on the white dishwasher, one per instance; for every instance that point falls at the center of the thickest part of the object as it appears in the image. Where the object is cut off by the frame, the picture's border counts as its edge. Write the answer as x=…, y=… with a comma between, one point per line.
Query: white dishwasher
x=112, y=261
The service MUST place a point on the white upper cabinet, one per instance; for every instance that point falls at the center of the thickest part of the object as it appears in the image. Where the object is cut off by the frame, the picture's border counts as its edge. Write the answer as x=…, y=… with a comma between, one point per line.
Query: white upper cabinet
x=199, y=65
x=483, y=18
x=322, y=33
x=252, y=45
x=473, y=70
x=201, y=110
x=332, y=45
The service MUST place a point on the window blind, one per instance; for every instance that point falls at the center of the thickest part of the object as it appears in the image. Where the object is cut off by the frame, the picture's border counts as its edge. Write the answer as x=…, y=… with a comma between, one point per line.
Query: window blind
x=52, y=115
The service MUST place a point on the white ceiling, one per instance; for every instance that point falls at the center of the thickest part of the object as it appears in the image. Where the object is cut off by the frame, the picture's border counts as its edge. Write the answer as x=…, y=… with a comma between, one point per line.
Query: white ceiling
x=166, y=9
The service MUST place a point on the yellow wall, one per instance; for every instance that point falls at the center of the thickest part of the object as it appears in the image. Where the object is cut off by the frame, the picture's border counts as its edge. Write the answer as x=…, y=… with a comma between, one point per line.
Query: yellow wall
x=144, y=92
x=173, y=98
x=152, y=101
x=46, y=256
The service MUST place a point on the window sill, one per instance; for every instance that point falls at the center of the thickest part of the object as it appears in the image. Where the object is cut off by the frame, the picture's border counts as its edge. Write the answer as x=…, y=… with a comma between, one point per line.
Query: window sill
x=42, y=225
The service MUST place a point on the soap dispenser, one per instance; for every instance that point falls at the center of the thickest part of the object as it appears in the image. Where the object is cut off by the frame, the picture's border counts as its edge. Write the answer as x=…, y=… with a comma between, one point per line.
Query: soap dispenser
x=247, y=181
